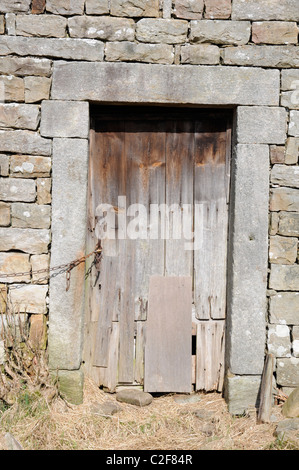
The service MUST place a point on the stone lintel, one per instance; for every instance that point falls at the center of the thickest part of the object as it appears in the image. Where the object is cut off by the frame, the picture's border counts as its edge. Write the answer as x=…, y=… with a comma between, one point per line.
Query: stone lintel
x=154, y=83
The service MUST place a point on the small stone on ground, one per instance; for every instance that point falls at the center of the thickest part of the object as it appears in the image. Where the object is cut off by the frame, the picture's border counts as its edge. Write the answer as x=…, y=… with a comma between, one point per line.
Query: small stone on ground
x=107, y=408
x=186, y=398
x=134, y=397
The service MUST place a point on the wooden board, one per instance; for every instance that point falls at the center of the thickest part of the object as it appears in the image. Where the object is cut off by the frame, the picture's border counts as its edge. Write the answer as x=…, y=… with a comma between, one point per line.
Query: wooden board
x=179, y=198
x=210, y=221
x=107, y=181
x=210, y=342
x=168, y=364
x=145, y=153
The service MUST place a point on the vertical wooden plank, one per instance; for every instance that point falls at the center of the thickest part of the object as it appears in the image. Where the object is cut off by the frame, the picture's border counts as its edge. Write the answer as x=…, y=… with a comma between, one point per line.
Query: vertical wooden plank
x=168, y=366
x=145, y=152
x=210, y=220
x=111, y=379
x=210, y=355
x=145, y=181
x=126, y=318
x=139, y=351
x=108, y=173
x=265, y=406
x=179, y=198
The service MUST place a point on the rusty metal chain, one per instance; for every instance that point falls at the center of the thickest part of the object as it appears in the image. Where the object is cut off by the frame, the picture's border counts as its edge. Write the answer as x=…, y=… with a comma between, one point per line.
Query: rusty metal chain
x=62, y=268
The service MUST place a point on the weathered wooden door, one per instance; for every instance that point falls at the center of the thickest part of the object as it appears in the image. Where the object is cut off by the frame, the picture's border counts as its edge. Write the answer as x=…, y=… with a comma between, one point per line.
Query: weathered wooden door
x=158, y=206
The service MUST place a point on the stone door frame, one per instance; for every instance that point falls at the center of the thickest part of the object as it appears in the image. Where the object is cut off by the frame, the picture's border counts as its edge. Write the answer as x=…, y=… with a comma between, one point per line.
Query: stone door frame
x=253, y=93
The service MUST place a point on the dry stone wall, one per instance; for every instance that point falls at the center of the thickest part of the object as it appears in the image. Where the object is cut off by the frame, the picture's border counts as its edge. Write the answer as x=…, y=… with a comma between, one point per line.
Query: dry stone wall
x=37, y=36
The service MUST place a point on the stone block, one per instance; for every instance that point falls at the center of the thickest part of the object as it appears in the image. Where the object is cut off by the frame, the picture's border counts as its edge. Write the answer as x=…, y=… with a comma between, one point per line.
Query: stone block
x=292, y=150
x=205, y=54
x=70, y=384
x=290, y=409
x=273, y=223
x=151, y=83
x=19, y=116
x=287, y=372
x=218, y=9
x=97, y=7
x=15, y=6
x=29, y=299
x=27, y=166
x=3, y=299
x=279, y=341
x=13, y=189
x=11, y=263
x=25, y=66
x=275, y=32
x=28, y=142
x=262, y=56
x=134, y=397
x=284, y=277
x=4, y=165
x=134, y=52
x=295, y=341
x=261, y=125
x=38, y=331
x=246, y=330
x=285, y=10
x=30, y=215
x=294, y=124
x=4, y=214
x=43, y=187
x=38, y=7
x=18, y=322
x=283, y=250
x=188, y=9
x=63, y=48
x=220, y=32
x=32, y=241
x=102, y=27
x=289, y=99
x=277, y=154
x=135, y=8
x=285, y=175
x=37, y=89
x=61, y=7
x=2, y=24
x=284, y=199
x=10, y=24
x=289, y=224
x=69, y=219
x=241, y=393
x=284, y=307
x=40, y=262
x=290, y=79
x=162, y=30
x=64, y=119
x=13, y=88
x=41, y=26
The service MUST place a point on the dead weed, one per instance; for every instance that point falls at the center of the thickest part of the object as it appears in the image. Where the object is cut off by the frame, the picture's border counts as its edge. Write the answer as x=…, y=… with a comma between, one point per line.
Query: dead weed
x=162, y=425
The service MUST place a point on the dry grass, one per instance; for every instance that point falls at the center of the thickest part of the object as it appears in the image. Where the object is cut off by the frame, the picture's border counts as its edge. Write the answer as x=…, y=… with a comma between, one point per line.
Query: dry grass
x=162, y=425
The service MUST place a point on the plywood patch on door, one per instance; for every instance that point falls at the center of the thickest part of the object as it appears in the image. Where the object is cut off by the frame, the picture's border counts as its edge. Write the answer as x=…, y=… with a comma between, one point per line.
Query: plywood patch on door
x=168, y=364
